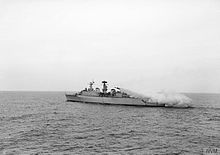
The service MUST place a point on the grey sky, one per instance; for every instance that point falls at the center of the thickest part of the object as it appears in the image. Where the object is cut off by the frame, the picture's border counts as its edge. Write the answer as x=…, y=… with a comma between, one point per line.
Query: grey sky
x=148, y=45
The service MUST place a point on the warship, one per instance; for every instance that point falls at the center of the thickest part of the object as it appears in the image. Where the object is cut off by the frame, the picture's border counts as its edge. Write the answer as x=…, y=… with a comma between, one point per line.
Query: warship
x=116, y=96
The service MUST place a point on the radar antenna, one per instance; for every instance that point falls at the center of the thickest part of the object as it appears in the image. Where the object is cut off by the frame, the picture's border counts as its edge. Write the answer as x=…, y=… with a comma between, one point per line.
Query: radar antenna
x=105, y=88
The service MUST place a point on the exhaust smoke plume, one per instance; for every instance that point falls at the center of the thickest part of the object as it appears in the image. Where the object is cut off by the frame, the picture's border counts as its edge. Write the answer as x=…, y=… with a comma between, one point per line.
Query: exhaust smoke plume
x=170, y=99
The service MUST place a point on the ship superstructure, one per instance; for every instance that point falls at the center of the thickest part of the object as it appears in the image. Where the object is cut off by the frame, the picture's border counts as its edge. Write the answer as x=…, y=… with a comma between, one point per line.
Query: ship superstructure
x=113, y=97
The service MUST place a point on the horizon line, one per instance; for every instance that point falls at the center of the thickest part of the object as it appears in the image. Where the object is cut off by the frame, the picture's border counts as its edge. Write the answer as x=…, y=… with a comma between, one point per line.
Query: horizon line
x=77, y=91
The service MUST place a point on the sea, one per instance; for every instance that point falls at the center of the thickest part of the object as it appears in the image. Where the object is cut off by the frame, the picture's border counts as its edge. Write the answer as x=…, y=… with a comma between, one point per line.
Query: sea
x=43, y=123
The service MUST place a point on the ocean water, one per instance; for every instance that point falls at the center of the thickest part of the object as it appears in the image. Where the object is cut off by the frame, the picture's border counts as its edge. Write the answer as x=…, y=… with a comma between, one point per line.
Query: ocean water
x=43, y=123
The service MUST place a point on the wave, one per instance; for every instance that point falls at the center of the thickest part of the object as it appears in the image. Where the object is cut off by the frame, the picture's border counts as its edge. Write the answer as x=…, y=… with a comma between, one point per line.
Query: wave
x=170, y=99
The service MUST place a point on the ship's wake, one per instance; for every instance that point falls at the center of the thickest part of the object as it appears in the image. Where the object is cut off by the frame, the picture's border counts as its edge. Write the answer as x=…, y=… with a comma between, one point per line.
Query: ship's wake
x=169, y=99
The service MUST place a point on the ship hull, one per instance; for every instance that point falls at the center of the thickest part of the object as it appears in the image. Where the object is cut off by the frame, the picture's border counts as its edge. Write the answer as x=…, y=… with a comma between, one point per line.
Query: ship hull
x=111, y=101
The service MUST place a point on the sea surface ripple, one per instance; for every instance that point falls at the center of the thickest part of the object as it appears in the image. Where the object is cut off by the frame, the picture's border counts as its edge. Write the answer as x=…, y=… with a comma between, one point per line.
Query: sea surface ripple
x=43, y=123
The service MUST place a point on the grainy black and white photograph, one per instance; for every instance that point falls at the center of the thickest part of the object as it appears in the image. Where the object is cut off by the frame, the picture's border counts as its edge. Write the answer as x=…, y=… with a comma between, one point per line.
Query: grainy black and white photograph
x=109, y=77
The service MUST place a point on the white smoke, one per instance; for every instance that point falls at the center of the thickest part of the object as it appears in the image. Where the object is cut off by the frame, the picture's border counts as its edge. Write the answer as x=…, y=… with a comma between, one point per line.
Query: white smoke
x=170, y=99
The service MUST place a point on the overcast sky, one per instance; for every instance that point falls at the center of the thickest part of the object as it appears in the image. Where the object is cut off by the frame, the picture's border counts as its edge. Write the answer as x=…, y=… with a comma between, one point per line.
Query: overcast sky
x=148, y=45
